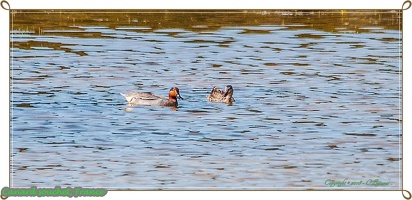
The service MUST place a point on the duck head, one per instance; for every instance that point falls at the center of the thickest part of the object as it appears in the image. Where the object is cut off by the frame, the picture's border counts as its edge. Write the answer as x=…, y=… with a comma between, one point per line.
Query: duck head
x=174, y=94
x=228, y=91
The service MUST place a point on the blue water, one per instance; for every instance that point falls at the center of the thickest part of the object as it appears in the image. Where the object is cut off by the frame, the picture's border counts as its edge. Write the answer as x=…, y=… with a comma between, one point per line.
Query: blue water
x=310, y=106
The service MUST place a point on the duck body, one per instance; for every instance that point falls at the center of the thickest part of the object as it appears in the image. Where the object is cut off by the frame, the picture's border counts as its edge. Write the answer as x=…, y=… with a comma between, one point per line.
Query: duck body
x=217, y=95
x=149, y=99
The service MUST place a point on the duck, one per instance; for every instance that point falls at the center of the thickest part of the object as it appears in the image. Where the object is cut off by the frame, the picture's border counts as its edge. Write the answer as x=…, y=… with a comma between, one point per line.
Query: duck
x=217, y=95
x=149, y=99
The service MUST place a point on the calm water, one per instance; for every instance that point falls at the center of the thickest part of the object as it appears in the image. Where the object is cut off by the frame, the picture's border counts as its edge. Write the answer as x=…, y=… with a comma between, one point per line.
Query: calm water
x=311, y=105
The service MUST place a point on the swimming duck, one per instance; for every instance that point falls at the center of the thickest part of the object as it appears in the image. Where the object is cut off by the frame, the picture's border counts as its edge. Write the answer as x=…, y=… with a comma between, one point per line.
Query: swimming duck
x=217, y=95
x=149, y=99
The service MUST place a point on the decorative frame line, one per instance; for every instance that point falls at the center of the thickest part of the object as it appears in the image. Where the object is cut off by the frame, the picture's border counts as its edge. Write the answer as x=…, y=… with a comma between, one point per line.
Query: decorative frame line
x=405, y=6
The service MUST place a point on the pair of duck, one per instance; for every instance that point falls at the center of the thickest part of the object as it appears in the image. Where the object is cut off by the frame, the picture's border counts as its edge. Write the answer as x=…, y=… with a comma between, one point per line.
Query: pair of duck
x=149, y=99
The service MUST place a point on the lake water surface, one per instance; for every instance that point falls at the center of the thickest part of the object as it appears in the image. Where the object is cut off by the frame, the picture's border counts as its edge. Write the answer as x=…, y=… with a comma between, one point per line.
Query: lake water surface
x=312, y=104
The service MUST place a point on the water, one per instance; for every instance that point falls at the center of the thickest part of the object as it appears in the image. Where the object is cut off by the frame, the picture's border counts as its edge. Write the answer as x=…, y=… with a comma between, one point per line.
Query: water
x=311, y=105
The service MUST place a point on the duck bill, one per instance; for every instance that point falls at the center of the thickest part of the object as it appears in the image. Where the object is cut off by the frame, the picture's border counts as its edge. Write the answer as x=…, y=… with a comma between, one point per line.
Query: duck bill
x=179, y=97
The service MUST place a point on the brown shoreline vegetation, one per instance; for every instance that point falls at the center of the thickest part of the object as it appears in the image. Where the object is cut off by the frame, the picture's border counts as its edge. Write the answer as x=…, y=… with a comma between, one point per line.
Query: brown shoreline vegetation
x=39, y=21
